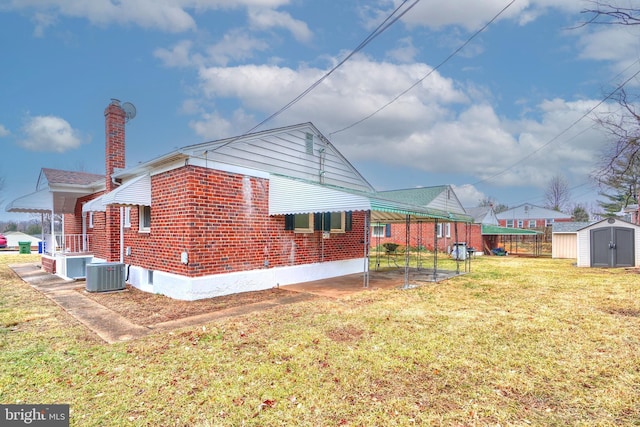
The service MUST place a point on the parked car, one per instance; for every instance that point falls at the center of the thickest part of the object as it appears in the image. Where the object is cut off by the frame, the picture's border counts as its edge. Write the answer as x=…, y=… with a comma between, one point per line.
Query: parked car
x=3, y=241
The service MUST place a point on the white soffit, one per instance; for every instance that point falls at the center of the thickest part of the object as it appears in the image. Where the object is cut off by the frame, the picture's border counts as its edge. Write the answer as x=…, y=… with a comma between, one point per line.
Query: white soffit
x=134, y=192
x=288, y=196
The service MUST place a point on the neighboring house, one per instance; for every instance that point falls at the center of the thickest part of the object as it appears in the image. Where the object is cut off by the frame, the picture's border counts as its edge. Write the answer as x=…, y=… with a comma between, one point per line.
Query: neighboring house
x=610, y=242
x=531, y=216
x=631, y=214
x=447, y=227
x=564, y=242
x=15, y=237
x=252, y=212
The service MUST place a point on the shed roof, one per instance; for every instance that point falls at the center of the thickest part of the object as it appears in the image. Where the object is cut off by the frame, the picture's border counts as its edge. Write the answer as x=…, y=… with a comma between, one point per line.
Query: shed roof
x=507, y=231
x=569, y=227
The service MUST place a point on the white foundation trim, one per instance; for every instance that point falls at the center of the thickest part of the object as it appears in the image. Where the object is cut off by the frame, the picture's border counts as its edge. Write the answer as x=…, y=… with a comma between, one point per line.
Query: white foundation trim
x=194, y=288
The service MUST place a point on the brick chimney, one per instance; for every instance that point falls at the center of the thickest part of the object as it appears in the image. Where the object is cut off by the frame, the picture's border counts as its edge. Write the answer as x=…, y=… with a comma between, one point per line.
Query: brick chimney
x=114, y=160
x=114, y=128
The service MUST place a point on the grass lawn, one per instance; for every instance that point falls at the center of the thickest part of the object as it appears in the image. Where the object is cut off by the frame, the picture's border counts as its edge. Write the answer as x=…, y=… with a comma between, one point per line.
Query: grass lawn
x=518, y=341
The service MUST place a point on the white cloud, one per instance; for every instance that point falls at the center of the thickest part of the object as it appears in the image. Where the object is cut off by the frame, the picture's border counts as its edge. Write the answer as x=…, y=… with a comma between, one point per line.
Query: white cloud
x=616, y=44
x=167, y=15
x=438, y=127
x=49, y=133
x=179, y=55
x=236, y=45
x=263, y=19
x=468, y=195
x=4, y=131
x=405, y=52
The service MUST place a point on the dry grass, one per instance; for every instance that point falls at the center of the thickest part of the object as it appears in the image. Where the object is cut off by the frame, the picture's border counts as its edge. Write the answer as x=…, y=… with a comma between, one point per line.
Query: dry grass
x=516, y=342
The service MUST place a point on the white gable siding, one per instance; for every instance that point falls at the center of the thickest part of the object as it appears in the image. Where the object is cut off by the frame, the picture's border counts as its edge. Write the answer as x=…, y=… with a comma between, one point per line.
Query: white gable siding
x=287, y=152
x=447, y=201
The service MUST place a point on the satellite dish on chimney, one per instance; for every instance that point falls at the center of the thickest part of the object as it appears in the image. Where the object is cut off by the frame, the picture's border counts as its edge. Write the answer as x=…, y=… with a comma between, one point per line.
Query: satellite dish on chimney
x=129, y=110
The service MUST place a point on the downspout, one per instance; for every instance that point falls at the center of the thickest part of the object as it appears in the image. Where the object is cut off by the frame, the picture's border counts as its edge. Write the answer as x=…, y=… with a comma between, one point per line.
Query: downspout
x=121, y=233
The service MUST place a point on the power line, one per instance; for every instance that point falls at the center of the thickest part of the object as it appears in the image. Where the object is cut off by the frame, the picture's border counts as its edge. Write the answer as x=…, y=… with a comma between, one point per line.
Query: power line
x=591, y=110
x=388, y=22
x=382, y=27
x=451, y=55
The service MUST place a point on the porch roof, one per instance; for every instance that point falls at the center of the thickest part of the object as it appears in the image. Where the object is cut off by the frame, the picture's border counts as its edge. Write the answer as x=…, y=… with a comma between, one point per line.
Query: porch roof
x=294, y=196
x=133, y=192
x=37, y=202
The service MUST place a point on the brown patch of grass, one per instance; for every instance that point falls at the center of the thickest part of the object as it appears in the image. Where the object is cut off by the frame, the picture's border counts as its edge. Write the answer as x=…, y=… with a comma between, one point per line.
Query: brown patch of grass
x=518, y=341
x=144, y=308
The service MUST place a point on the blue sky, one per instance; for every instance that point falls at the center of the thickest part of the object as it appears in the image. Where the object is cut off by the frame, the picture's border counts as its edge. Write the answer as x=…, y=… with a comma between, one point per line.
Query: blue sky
x=486, y=121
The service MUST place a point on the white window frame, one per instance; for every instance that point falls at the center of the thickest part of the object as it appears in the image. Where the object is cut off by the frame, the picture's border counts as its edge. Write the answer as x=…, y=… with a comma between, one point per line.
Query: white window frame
x=378, y=230
x=548, y=222
x=439, y=230
x=532, y=223
x=520, y=223
x=91, y=219
x=143, y=228
x=509, y=223
x=447, y=229
x=127, y=216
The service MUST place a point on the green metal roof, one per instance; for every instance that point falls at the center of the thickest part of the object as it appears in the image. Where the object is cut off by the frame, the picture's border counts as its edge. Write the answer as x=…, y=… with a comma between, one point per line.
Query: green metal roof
x=507, y=231
x=415, y=196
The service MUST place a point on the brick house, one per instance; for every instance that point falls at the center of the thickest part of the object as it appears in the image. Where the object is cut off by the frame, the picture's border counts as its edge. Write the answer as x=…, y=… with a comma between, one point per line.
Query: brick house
x=252, y=212
x=531, y=216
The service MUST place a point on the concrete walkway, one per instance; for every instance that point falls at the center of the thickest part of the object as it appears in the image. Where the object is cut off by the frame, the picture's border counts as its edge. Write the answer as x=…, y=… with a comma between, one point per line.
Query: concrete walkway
x=113, y=327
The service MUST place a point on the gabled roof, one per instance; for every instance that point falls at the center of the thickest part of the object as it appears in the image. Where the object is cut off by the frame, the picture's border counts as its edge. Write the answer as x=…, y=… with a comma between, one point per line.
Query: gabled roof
x=298, y=151
x=441, y=197
x=529, y=211
x=482, y=215
x=569, y=227
x=53, y=177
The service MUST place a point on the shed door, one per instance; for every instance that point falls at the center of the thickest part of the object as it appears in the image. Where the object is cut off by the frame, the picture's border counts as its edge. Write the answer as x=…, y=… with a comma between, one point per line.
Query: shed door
x=612, y=247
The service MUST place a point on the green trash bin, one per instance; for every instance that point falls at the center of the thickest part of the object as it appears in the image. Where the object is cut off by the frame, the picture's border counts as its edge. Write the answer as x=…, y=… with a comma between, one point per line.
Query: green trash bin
x=25, y=247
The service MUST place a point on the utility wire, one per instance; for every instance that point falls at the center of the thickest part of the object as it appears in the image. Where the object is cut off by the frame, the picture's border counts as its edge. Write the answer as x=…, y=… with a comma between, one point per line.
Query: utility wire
x=379, y=30
x=591, y=110
x=451, y=55
x=384, y=25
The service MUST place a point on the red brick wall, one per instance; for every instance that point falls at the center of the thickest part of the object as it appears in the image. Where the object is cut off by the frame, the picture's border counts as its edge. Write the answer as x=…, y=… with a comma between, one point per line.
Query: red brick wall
x=471, y=234
x=222, y=221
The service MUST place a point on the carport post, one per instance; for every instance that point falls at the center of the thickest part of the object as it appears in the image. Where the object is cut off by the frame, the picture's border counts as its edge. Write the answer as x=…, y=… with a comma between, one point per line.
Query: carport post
x=407, y=242
x=367, y=252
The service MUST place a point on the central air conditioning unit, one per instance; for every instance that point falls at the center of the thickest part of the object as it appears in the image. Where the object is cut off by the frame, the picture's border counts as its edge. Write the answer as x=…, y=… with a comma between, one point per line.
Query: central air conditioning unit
x=106, y=276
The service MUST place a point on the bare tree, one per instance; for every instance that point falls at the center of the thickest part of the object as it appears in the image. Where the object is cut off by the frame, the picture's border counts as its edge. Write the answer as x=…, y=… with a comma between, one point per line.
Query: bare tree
x=557, y=194
x=610, y=14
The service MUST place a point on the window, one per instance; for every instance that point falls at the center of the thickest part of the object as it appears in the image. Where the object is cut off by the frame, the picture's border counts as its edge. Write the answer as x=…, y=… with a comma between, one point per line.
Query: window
x=439, y=231
x=447, y=229
x=532, y=223
x=90, y=219
x=510, y=223
x=548, y=222
x=303, y=223
x=520, y=223
x=145, y=219
x=127, y=216
x=335, y=222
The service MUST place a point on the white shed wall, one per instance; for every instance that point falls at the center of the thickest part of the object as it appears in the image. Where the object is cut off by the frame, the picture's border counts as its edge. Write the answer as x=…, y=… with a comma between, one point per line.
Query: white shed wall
x=564, y=245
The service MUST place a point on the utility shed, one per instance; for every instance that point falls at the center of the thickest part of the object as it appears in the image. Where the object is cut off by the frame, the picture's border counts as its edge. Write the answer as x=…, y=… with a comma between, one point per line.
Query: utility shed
x=609, y=243
x=564, y=239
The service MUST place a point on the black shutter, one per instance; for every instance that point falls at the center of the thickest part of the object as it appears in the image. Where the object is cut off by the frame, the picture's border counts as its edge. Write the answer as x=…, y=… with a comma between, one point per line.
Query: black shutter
x=317, y=221
x=347, y=220
x=327, y=221
x=387, y=230
x=289, y=222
